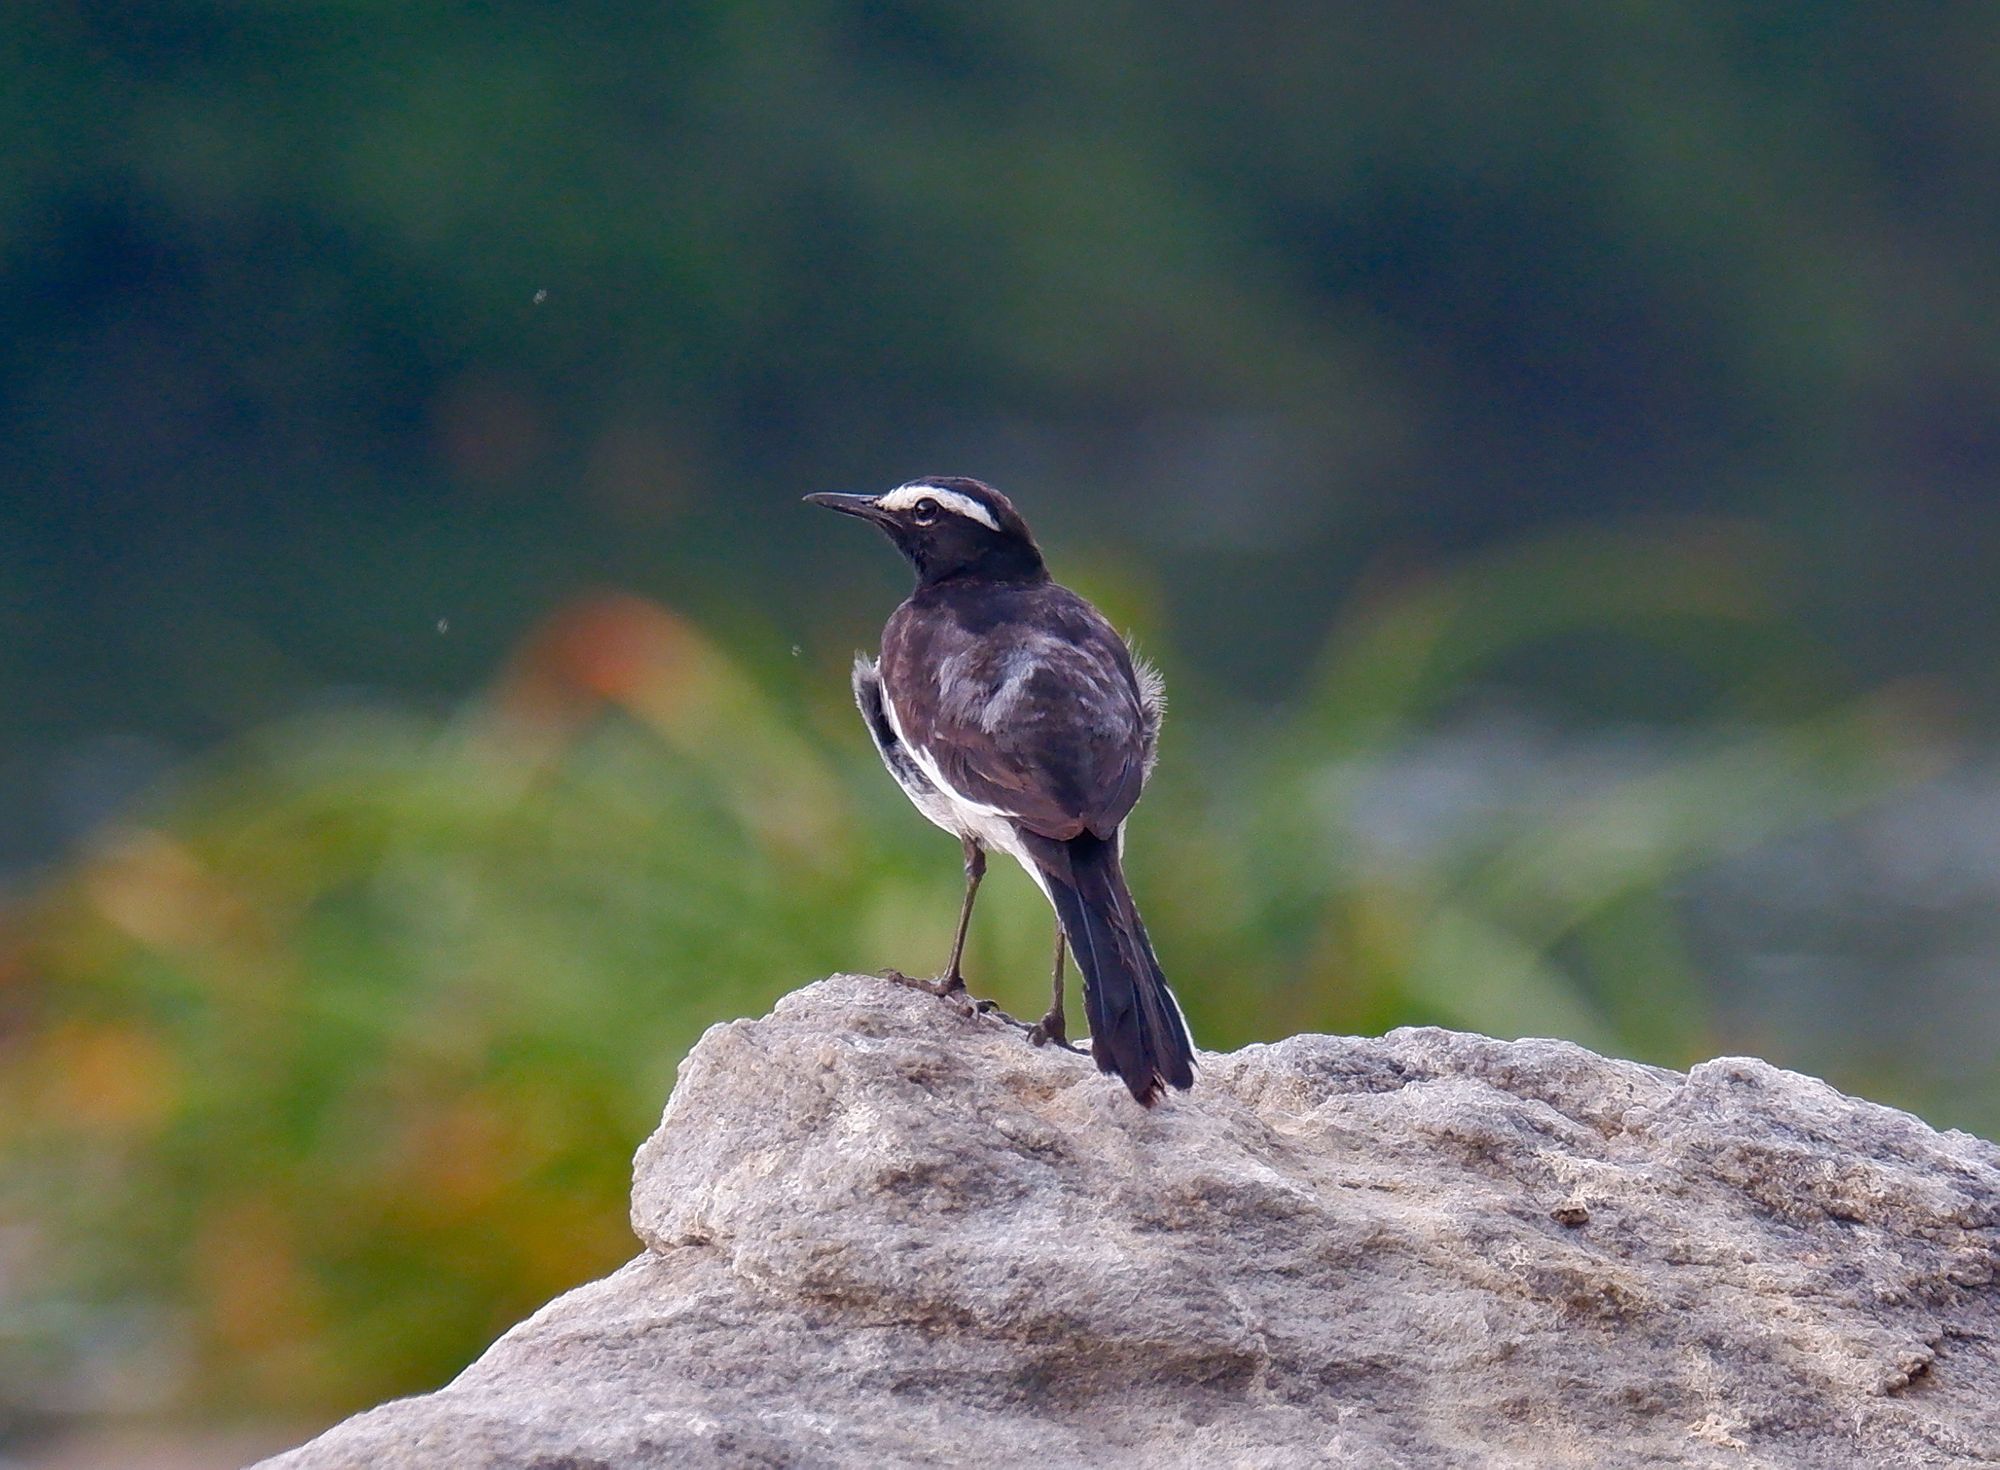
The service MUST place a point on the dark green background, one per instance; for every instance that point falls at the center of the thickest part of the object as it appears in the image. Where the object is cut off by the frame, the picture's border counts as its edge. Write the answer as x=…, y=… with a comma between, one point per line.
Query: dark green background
x=1255, y=296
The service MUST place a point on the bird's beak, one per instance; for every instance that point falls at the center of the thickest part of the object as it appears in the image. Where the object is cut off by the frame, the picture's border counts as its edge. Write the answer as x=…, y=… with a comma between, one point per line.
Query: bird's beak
x=849, y=505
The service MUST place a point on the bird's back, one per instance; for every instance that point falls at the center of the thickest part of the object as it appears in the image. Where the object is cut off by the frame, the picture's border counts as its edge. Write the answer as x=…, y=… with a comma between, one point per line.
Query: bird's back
x=1026, y=699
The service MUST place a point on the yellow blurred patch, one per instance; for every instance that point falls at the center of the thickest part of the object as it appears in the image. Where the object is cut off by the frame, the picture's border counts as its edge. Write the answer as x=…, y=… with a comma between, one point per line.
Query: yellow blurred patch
x=246, y=1266
x=156, y=890
x=109, y=1077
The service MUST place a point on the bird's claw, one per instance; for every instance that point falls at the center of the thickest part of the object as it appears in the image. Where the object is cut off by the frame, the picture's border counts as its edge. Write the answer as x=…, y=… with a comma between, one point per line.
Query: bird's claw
x=944, y=986
x=1053, y=1028
x=952, y=988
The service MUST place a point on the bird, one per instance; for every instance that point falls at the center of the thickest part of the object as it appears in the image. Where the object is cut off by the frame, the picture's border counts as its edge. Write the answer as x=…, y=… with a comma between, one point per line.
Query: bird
x=1015, y=717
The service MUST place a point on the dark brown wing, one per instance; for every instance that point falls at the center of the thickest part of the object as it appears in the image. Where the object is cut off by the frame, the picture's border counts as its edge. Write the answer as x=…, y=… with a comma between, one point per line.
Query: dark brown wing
x=1024, y=700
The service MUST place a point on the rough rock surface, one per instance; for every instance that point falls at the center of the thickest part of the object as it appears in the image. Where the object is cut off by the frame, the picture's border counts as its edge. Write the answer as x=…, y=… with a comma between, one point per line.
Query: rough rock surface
x=880, y=1232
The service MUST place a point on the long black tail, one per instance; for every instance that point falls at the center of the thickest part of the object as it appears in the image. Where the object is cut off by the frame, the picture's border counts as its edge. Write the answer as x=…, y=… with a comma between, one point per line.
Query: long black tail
x=1136, y=1027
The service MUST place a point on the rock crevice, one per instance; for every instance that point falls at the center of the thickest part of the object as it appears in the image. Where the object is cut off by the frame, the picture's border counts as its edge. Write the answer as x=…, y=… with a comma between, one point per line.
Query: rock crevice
x=880, y=1232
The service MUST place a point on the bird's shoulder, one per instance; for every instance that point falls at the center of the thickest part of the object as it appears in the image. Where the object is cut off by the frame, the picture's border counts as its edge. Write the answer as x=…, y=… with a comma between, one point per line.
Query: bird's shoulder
x=992, y=632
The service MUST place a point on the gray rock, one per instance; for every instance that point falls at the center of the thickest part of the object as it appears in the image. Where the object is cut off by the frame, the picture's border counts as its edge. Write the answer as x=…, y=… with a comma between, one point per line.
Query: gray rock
x=881, y=1232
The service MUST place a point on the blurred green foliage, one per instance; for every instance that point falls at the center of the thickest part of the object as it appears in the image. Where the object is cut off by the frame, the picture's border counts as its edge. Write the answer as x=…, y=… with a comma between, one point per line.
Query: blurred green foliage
x=329, y=1063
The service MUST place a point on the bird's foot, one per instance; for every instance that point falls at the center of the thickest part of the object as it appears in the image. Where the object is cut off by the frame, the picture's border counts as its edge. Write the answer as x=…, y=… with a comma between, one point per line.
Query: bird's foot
x=952, y=988
x=940, y=986
x=945, y=987
x=1053, y=1028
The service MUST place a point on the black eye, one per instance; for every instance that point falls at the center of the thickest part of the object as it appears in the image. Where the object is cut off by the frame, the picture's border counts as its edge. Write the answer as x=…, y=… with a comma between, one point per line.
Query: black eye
x=925, y=511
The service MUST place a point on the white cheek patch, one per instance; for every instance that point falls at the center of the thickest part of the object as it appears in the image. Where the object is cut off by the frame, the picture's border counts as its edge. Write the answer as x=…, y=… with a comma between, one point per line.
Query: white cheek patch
x=905, y=497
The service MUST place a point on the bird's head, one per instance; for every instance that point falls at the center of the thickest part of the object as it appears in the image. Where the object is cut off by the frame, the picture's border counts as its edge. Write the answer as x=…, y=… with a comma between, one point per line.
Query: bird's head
x=949, y=526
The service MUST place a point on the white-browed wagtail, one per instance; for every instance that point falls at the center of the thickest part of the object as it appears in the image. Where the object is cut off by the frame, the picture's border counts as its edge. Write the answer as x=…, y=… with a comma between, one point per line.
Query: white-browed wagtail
x=1015, y=718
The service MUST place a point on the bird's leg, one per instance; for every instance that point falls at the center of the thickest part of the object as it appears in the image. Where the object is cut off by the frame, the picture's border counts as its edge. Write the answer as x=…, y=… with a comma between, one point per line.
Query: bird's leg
x=975, y=868
x=1053, y=1027
x=952, y=982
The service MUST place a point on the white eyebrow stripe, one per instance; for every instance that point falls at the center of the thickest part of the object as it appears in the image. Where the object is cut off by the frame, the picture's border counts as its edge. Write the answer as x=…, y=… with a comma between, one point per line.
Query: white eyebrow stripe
x=904, y=497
